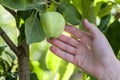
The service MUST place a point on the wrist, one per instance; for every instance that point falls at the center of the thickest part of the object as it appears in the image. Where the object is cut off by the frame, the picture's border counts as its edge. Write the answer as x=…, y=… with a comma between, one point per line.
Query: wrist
x=111, y=71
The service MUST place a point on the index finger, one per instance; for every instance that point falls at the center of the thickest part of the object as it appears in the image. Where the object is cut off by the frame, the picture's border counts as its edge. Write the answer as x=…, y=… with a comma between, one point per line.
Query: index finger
x=79, y=34
x=75, y=31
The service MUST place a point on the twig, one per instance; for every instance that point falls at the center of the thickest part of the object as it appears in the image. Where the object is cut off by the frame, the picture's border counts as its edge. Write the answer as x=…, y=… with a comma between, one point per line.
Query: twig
x=12, y=46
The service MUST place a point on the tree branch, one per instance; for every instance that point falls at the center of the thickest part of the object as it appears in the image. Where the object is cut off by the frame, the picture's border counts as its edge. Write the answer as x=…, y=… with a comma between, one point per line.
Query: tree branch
x=12, y=46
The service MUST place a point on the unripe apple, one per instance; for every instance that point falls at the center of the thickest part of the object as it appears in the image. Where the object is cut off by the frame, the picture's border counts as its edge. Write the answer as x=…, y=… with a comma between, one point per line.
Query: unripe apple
x=53, y=24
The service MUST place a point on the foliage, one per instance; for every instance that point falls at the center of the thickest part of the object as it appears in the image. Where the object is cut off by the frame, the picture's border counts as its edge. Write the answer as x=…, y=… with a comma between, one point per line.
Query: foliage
x=21, y=21
x=31, y=30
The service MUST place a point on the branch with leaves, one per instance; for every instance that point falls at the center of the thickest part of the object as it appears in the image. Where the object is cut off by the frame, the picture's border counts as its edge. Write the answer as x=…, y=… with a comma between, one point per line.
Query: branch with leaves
x=12, y=46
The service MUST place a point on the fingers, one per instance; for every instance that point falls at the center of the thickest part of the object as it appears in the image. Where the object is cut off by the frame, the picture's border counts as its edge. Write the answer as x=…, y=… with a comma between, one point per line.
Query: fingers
x=94, y=31
x=62, y=54
x=84, y=37
x=63, y=46
x=76, y=32
x=68, y=40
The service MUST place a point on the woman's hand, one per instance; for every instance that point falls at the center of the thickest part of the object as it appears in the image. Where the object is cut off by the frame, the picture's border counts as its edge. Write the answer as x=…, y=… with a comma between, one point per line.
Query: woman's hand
x=90, y=50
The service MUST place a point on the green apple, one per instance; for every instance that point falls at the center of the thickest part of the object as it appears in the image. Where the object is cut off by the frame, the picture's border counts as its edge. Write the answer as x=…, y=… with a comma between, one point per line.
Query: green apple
x=53, y=24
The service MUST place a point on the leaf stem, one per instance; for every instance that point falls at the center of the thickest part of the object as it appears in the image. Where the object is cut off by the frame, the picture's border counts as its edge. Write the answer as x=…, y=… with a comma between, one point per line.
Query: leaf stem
x=55, y=2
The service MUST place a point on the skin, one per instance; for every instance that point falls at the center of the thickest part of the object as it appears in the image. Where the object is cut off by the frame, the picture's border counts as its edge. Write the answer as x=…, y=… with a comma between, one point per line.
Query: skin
x=89, y=50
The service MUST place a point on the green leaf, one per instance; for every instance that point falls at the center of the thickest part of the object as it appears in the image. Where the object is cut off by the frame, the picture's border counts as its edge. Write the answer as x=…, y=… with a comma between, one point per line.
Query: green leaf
x=41, y=74
x=38, y=52
x=70, y=13
x=57, y=0
x=92, y=78
x=118, y=55
x=6, y=19
x=62, y=70
x=98, y=6
x=65, y=0
x=10, y=57
x=69, y=71
x=4, y=66
x=113, y=35
x=53, y=62
x=118, y=1
x=103, y=23
x=33, y=76
x=2, y=49
x=23, y=4
x=84, y=75
x=86, y=8
x=105, y=9
x=11, y=76
x=33, y=30
x=77, y=3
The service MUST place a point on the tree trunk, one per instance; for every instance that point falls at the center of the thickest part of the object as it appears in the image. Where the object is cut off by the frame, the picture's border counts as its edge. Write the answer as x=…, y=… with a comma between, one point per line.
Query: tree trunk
x=22, y=53
x=24, y=62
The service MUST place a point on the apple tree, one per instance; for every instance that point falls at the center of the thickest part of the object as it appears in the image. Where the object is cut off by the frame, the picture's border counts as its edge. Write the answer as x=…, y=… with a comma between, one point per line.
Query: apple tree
x=26, y=24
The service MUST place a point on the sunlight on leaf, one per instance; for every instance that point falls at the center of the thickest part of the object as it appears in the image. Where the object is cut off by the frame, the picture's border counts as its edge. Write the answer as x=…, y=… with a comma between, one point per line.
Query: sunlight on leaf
x=52, y=61
x=6, y=19
x=68, y=72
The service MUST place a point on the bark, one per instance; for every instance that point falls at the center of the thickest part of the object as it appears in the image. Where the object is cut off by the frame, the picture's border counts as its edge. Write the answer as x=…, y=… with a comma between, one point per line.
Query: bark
x=24, y=62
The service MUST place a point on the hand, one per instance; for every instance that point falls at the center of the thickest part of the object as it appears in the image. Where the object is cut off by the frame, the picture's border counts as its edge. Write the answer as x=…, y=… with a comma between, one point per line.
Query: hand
x=90, y=50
